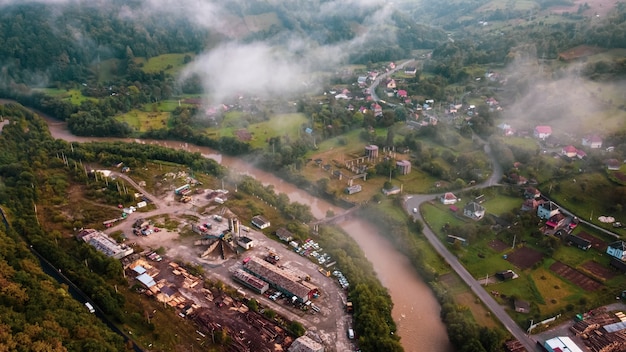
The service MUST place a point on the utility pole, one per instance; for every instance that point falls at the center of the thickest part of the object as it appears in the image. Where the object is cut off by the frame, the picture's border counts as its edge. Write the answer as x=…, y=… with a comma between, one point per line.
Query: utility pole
x=514, y=238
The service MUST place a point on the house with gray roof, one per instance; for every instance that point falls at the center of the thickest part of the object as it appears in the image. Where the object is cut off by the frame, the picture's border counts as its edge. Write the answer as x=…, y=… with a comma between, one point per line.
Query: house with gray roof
x=474, y=211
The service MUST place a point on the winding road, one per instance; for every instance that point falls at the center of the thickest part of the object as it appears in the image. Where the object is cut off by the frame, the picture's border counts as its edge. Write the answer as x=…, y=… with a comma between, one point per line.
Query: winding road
x=379, y=78
x=415, y=201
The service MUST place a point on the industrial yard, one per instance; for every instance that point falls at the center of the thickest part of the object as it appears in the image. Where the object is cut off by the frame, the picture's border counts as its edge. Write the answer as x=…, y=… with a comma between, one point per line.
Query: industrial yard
x=285, y=277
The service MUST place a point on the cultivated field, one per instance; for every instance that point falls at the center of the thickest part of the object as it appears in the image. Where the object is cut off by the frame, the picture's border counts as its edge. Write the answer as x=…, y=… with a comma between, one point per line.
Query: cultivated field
x=598, y=270
x=525, y=257
x=574, y=276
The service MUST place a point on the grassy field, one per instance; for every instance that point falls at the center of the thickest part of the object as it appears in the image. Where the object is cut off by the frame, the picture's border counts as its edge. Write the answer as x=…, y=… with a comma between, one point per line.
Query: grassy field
x=502, y=204
x=72, y=95
x=142, y=121
x=278, y=125
x=169, y=63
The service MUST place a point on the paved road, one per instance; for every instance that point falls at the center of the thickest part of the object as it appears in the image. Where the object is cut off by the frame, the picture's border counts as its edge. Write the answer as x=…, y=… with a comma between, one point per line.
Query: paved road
x=415, y=201
x=374, y=84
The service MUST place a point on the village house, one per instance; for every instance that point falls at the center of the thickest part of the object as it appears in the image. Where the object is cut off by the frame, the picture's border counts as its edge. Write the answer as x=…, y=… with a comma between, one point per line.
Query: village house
x=362, y=80
x=592, y=141
x=617, y=249
x=506, y=275
x=391, y=84
x=556, y=221
x=547, y=210
x=402, y=93
x=578, y=242
x=448, y=198
x=613, y=164
x=378, y=110
x=410, y=70
x=531, y=193
x=542, y=132
x=522, y=306
x=530, y=204
x=284, y=234
x=506, y=129
x=569, y=151
x=518, y=179
x=260, y=222
x=474, y=211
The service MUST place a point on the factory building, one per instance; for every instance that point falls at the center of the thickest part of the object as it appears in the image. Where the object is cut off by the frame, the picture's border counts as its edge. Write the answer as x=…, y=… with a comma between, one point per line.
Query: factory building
x=281, y=279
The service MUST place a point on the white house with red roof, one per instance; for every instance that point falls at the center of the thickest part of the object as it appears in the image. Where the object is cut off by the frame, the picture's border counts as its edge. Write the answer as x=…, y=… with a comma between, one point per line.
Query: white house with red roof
x=402, y=93
x=391, y=84
x=448, y=198
x=592, y=141
x=542, y=132
x=569, y=151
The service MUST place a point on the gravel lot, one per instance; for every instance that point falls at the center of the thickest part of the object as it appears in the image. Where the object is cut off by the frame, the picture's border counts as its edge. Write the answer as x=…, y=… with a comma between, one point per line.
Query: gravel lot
x=330, y=324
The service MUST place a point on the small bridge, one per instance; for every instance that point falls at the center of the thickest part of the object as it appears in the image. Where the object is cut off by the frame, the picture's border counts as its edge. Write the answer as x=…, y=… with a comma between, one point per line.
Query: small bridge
x=335, y=218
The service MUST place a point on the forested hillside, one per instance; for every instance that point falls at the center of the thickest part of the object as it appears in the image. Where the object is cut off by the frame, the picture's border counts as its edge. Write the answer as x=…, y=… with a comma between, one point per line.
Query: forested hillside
x=37, y=314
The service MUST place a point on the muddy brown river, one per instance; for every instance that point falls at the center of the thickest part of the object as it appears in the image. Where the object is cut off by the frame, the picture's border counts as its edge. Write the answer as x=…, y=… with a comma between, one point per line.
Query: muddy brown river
x=416, y=311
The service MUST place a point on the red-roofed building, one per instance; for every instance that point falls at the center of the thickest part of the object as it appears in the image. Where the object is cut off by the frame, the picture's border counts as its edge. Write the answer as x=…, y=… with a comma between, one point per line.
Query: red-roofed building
x=402, y=93
x=542, y=132
x=569, y=151
x=448, y=198
x=556, y=221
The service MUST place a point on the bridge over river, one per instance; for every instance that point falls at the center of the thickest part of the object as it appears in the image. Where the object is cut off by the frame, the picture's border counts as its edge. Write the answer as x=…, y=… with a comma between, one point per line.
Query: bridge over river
x=335, y=218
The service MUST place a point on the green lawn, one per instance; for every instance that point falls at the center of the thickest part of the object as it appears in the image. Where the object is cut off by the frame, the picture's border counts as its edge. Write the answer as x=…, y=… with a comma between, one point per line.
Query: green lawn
x=285, y=125
x=143, y=121
x=73, y=95
x=437, y=215
x=169, y=63
x=502, y=204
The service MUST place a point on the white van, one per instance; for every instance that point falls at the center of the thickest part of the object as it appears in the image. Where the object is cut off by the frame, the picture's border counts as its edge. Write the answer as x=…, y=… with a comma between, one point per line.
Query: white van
x=90, y=307
x=351, y=334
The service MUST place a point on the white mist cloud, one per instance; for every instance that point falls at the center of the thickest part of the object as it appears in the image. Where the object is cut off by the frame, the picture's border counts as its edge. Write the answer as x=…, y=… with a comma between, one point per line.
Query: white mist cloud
x=249, y=69
x=278, y=65
x=564, y=99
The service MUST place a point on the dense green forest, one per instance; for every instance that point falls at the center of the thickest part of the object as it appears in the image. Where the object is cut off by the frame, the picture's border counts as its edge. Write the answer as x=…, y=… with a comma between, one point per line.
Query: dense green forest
x=37, y=313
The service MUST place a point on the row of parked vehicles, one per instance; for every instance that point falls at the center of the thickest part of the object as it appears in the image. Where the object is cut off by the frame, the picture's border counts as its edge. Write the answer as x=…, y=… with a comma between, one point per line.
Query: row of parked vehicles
x=343, y=282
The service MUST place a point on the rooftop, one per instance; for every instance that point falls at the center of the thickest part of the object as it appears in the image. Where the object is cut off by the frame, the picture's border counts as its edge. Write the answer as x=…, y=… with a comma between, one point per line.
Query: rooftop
x=278, y=276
